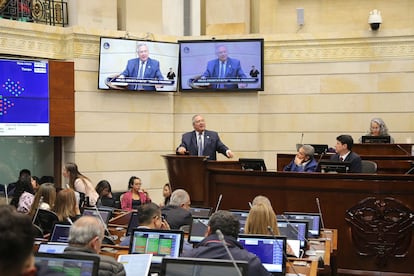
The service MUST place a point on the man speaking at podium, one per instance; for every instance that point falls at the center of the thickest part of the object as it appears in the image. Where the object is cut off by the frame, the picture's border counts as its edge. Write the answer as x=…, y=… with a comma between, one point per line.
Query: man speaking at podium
x=202, y=142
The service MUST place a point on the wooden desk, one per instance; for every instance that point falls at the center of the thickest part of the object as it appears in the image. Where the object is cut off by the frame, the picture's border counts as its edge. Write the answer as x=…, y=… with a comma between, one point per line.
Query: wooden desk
x=303, y=266
x=337, y=193
x=386, y=164
x=113, y=250
x=383, y=149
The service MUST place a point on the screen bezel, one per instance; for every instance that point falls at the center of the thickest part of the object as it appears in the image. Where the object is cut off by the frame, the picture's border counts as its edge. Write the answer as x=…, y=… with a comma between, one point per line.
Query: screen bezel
x=329, y=166
x=210, y=55
x=253, y=164
x=82, y=257
x=157, y=51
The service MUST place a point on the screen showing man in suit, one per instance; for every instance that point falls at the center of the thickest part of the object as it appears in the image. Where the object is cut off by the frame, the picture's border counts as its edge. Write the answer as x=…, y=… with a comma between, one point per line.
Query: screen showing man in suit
x=224, y=67
x=202, y=142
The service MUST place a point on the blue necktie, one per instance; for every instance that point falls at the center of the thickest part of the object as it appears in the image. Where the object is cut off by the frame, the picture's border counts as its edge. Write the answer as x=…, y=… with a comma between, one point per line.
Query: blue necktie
x=222, y=73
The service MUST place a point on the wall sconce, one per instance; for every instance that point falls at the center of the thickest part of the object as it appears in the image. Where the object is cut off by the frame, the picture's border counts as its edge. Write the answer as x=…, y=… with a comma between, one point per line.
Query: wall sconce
x=374, y=19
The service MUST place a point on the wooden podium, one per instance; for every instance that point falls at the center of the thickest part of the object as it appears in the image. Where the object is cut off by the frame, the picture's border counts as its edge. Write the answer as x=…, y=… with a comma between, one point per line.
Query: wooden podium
x=190, y=173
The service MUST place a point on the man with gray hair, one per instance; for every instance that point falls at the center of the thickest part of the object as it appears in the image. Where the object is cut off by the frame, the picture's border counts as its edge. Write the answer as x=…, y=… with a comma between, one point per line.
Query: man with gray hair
x=304, y=160
x=85, y=238
x=177, y=212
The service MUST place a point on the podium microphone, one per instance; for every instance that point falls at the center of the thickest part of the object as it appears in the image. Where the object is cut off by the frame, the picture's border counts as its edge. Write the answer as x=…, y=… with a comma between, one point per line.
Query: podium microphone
x=403, y=149
x=218, y=203
x=322, y=155
x=37, y=210
x=270, y=229
x=221, y=238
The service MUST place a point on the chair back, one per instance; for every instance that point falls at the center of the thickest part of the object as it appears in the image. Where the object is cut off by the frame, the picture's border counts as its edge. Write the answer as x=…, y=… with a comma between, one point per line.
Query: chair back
x=46, y=219
x=368, y=166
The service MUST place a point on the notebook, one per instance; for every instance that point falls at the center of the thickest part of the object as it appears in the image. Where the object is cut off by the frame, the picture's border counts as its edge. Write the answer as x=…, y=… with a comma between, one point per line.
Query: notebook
x=270, y=250
x=105, y=214
x=198, y=229
x=202, y=267
x=241, y=215
x=70, y=264
x=159, y=243
x=200, y=211
x=60, y=233
x=313, y=219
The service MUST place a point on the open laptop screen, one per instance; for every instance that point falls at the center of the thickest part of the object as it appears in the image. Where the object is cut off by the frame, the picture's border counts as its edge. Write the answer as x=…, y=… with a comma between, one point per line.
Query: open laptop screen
x=202, y=267
x=70, y=264
x=52, y=247
x=159, y=243
x=133, y=223
x=269, y=249
x=200, y=211
x=241, y=215
x=60, y=233
x=105, y=214
x=294, y=230
x=314, y=221
x=198, y=229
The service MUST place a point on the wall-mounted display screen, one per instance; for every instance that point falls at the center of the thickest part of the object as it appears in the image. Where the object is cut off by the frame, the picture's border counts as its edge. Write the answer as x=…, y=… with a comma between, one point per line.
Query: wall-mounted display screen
x=24, y=98
x=134, y=65
x=221, y=65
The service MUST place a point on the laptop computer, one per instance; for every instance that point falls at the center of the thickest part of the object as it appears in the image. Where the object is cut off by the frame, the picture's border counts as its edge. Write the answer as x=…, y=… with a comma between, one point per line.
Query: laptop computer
x=133, y=223
x=47, y=247
x=241, y=215
x=104, y=213
x=159, y=243
x=313, y=219
x=201, y=211
x=294, y=230
x=60, y=233
x=198, y=229
x=70, y=264
x=252, y=164
x=270, y=250
x=202, y=267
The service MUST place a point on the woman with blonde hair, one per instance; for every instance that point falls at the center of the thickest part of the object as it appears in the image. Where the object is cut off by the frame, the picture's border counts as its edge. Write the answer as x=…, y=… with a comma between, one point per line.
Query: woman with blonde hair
x=260, y=217
x=66, y=207
x=46, y=192
x=80, y=183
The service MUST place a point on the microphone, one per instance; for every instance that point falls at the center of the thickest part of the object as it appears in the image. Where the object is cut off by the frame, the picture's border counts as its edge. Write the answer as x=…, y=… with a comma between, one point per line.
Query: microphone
x=301, y=139
x=218, y=202
x=111, y=237
x=221, y=238
x=403, y=149
x=320, y=212
x=37, y=210
x=270, y=229
x=322, y=155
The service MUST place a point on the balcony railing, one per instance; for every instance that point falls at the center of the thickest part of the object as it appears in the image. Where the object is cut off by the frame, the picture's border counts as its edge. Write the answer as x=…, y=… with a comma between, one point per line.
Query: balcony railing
x=51, y=12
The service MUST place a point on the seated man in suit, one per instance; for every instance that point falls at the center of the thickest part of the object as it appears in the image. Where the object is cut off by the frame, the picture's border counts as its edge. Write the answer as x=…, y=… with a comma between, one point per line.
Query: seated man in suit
x=85, y=237
x=224, y=67
x=202, y=142
x=304, y=160
x=143, y=67
x=212, y=247
x=149, y=217
x=177, y=212
x=343, y=149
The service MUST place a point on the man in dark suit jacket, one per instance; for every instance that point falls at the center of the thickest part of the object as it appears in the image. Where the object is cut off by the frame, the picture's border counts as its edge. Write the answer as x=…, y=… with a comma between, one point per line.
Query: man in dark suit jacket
x=210, y=141
x=232, y=69
x=150, y=68
x=343, y=149
x=177, y=212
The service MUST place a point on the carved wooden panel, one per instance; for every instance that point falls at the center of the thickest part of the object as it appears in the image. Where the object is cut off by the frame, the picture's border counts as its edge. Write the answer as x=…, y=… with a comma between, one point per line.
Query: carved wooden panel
x=381, y=228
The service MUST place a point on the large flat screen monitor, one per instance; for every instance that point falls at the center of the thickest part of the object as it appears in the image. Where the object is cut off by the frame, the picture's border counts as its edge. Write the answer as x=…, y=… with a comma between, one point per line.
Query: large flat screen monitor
x=202, y=67
x=120, y=66
x=24, y=97
x=376, y=139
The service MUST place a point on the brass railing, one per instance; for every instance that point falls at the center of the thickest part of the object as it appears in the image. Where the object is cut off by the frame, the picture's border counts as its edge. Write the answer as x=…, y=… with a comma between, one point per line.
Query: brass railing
x=51, y=12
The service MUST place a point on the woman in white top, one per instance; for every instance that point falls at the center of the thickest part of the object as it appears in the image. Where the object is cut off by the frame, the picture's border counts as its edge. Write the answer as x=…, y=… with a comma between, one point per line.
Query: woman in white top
x=80, y=183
